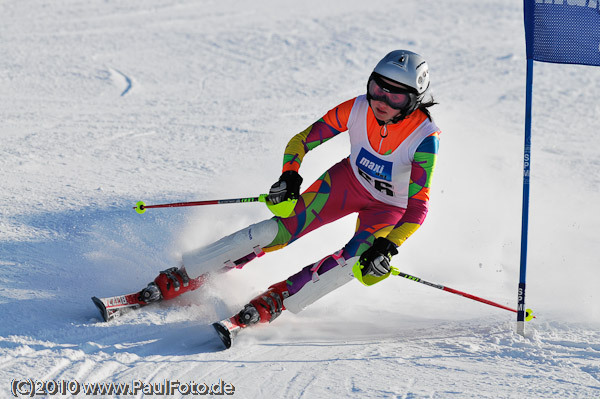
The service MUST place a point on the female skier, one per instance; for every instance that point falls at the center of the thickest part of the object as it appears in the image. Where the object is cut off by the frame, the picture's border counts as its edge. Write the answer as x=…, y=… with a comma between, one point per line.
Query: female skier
x=385, y=179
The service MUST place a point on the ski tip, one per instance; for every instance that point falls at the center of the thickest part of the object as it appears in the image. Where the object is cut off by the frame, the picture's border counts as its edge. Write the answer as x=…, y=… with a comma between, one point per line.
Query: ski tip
x=223, y=333
x=101, y=308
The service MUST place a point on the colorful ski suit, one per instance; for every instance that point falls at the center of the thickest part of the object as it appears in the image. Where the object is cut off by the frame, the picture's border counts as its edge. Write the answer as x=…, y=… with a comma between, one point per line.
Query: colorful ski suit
x=386, y=180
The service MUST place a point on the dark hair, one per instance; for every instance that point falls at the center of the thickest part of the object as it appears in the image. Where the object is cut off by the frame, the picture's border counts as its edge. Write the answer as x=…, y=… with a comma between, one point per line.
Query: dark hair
x=424, y=106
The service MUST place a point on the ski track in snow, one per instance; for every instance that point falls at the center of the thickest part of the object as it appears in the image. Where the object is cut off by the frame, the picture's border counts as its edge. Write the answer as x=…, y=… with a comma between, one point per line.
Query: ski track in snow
x=127, y=84
x=104, y=104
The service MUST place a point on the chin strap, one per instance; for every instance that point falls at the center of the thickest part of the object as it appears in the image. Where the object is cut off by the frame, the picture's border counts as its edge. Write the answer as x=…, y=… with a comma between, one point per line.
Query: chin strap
x=398, y=118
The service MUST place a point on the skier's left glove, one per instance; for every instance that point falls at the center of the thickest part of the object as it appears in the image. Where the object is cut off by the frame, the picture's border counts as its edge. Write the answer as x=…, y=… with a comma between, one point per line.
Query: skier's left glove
x=376, y=260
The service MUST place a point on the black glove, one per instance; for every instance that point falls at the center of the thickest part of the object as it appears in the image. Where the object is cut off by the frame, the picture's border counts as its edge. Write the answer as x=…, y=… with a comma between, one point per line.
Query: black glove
x=376, y=260
x=287, y=187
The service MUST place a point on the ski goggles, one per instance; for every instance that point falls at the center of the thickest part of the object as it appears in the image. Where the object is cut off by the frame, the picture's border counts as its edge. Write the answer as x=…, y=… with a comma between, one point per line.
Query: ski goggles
x=395, y=97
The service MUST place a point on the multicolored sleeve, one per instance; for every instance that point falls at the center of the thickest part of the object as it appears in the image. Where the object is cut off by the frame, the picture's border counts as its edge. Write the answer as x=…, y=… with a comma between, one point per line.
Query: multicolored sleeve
x=333, y=123
x=423, y=166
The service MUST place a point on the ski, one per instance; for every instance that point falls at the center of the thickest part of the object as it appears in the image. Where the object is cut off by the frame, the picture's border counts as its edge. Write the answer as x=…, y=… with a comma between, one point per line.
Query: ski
x=112, y=307
x=115, y=306
x=227, y=330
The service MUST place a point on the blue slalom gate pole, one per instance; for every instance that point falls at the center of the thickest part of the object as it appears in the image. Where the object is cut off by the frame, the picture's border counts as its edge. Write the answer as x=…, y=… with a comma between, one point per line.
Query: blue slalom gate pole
x=562, y=33
x=525, y=213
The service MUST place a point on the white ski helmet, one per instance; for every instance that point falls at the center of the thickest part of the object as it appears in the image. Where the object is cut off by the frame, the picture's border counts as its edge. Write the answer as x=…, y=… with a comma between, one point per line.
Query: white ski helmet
x=410, y=70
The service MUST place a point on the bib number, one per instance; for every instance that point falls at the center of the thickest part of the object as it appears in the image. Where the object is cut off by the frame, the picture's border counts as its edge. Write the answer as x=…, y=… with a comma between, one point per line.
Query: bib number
x=380, y=185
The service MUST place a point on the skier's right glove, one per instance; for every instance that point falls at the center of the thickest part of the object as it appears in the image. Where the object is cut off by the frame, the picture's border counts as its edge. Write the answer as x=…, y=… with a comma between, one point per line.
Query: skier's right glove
x=376, y=260
x=287, y=187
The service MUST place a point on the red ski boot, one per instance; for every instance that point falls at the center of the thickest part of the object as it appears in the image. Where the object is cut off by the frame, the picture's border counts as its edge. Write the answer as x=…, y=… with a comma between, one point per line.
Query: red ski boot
x=174, y=282
x=263, y=309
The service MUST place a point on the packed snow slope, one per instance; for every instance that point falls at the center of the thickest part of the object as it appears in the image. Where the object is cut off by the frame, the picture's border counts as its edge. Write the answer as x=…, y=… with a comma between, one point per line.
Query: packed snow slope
x=105, y=103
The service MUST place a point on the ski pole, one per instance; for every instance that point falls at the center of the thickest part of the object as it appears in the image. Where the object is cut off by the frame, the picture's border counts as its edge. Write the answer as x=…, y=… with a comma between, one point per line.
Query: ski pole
x=396, y=272
x=140, y=207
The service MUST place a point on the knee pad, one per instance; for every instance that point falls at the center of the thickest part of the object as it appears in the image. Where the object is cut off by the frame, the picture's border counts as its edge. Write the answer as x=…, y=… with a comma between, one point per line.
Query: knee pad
x=321, y=285
x=224, y=252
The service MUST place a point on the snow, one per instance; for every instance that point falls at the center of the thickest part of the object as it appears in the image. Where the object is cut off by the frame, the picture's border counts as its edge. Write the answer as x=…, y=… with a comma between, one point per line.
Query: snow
x=105, y=103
